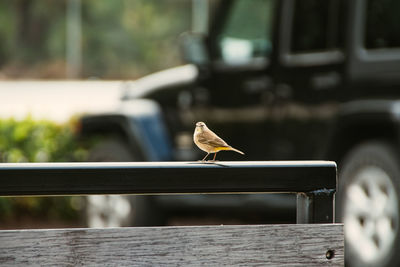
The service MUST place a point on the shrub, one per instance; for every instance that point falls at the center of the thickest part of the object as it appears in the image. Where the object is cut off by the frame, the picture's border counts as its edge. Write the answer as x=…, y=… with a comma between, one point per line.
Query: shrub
x=38, y=141
x=30, y=140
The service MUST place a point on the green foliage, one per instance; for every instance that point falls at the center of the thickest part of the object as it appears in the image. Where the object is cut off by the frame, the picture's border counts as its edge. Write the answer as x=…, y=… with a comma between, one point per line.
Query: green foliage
x=67, y=209
x=121, y=39
x=132, y=38
x=38, y=141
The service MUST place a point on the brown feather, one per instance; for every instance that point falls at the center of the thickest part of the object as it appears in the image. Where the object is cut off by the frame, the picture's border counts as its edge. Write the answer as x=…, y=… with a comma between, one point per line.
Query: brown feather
x=211, y=139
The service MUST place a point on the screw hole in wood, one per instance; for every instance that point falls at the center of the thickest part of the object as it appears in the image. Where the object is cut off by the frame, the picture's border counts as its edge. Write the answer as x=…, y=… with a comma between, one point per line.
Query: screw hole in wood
x=330, y=254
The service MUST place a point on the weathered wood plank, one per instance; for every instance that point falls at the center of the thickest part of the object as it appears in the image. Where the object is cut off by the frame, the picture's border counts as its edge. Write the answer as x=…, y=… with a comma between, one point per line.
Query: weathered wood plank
x=244, y=245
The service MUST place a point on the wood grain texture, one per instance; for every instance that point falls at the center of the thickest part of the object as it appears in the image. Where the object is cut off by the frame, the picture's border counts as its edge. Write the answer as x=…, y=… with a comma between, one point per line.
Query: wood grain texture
x=244, y=245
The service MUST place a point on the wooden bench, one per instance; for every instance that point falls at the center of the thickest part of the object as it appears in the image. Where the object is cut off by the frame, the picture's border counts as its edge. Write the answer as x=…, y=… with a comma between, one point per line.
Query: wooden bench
x=314, y=241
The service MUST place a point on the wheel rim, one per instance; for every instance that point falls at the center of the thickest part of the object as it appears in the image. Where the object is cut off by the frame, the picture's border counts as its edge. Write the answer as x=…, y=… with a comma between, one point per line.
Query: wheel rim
x=107, y=211
x=370, y=214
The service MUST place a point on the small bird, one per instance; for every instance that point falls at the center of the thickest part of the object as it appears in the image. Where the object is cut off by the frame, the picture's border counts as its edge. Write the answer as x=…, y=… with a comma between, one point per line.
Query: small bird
x=209, y=142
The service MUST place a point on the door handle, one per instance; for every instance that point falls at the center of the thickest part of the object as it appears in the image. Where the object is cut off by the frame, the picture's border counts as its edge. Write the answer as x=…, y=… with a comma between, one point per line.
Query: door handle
x=257, y=85
x=325, y=80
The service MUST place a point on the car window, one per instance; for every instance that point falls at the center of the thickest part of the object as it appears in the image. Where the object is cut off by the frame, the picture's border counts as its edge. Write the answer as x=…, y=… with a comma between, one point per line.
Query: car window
x=315, y=25
x=247, y=32
x=382, y=27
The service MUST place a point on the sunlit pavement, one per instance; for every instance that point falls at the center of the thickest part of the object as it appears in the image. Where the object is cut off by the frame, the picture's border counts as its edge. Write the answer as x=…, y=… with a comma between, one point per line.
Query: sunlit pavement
x=57, y=100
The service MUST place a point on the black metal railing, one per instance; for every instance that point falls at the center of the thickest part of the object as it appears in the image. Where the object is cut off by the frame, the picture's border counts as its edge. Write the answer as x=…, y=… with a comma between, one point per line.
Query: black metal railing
x=314, y=182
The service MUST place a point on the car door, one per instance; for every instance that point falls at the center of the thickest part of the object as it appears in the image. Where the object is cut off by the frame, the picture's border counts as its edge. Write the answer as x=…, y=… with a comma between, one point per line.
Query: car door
x=309, y=77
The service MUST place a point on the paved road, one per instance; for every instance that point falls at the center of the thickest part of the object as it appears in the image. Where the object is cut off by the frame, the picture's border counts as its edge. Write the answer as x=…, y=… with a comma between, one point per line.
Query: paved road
x=57, y=100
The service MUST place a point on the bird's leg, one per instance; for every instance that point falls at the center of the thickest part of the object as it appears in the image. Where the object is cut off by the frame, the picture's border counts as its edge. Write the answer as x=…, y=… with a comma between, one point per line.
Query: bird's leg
x=205, y=157
x=215, y=155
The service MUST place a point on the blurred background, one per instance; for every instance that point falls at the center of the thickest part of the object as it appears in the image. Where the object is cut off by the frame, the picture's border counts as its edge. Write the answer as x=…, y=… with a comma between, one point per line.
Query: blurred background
x=90, y=39
x=47, y=40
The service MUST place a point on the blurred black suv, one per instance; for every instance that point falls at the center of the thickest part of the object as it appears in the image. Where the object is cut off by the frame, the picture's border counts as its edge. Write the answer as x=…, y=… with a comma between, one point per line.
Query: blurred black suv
x=279, y=80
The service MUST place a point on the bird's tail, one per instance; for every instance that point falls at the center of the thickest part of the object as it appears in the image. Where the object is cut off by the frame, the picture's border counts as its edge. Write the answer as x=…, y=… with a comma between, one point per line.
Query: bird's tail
x=228, y=148
x=236, y=150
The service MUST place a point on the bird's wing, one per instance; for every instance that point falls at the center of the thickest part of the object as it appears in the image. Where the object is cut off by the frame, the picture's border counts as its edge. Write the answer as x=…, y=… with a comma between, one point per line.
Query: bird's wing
x=210, y=138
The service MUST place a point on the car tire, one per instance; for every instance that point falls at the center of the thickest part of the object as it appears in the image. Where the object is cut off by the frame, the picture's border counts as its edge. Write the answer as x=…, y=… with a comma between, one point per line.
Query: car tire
x=118, y=210
x=368, y=204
